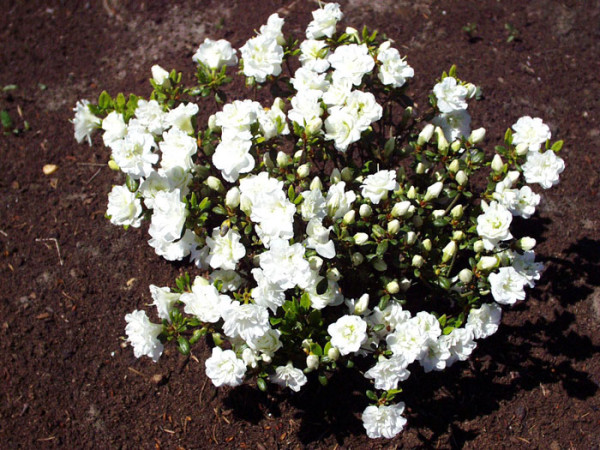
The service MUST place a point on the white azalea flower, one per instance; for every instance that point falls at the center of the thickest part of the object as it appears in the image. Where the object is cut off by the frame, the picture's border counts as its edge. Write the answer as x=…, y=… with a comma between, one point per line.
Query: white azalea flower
x=507, y=285
x=394, y=71
x=151, y=116
x=225, y=250
x=181, y=117
x=493, y=225
x=284, y=264
x=383, y=421
x=205, y=302
x=324, y=21
x=460, y=344
x=318, y=238
x=342, y=128
x=351, y=62
x=484, y=321
x=123, y=207
x=387, y=373
x=143, y=335
x=338, y=202
x=289, y=376
x=224, y=368
x=543, y=168
x=151, y=186
x=450, y=95
x=134, y=154
x=114, y=127
x=177, y=149
x=215, y=54
x=84, y=121
x=532, y=132
x=232, y=157
x=247, y=321
x=313, y=55
x=376, y=186
x=168, y=216
x=454, y=124
x=348, y=333
x=262, y=57
x=164, y=300
x=267, y=294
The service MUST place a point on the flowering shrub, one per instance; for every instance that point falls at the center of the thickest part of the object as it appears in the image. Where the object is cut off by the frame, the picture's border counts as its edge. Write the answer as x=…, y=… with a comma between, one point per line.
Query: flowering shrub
x=336, y=226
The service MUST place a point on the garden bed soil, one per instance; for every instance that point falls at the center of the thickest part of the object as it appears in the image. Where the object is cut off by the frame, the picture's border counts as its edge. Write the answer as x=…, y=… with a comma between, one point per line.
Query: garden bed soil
x=68, y=277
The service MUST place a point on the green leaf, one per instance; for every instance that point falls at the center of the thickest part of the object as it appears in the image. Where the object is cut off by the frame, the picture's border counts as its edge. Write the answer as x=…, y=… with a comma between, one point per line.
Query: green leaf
x=444, y=283
x=508, y=137
x=323, y=379
x=305, y=301
x=316, y=349
x=371, y=396
x=120, y=102
x=104, y=100
x=557, y=146
x=383, y=302
x=184, y=345
x=132, y=184
x=5, y=119
x=262, y=384
x=382, y=248
x=291, y=193
x=389, y=147
x=452, y=71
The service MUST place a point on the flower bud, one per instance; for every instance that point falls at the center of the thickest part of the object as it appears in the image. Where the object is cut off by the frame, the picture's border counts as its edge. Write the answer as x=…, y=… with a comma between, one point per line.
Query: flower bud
x=405, y=284
x=456, y=145
x=472, y=90
x=232, y=199
x=433, y=191
x=215, y=184
x=298, y=155
x=361, y=305
x=426, y=245
x=315, y=263
x=335, y=176
x=316, y=184
x=361, y=238
x=465, y=276
x=454, y=166
x=314, y=126
x=353, y=32
x=417, y=261
x=283, y=159
x=461, y=177
x=266, y=358
x=303, y=171
x=393, y=226
x=442, y=143
x=425, y=134
x=411, y=238
x=477, y=136
x=392, y=287
x=497, y=163
x=268, y=161
x=526, y=243
x=278, y=103
x=487, y=263
x=411, y=193
x=365, y=210
x=457, y=212
x=512, y=176
x=312, y=362
x=448, y=251
x=380, y=265
x=458, y=235
x=333, y=353
x=333, y=274
x=478, y=246
x=347, y=174
x=349, y=217
x=438, y=214
x=306, y=343
x=357, y=258
x=160, y=76
x=212, y=122
x=521, y=149
x=421, y=168
x=113, y=165
x=400, y=209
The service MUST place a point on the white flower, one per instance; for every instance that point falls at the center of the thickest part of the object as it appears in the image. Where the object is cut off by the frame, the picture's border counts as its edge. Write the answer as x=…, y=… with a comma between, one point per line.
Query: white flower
x=387, y=373
x=525, y=202
x=507, y=285
x=237, y=116
x=134, y=154
x=273, y=27
x=392, y=316
x=383, y=421
x=284, y=264
x=205, y=302
x=151, y=116
x=164, y=300
x=455, y=124
x=274, y=214
x=484, y=321
x=338, y=93
x=123, y=207
x=313, y=205
x=232, y=157
x=324, y=21
x=493, y=225
x=114, y=127
x=436, y=355
x=342, y=128
x=159, y=75
x=450, y=95
x=273, y=121
x=254, y=187
x=289, y=376
x=181, y=117
x=168, y=217
x=246, y=321
x=351, y=62
x=318, y=238
x=175, y=250
x=543, y=168
x=268, y=343
x=177, y=150
x=84, y=121
x=460, y=344
x=225, y=250
x=215, y=54
x=262, y=56
x=143, y=335
x=331, y=297
x=267, y=294
x=337, y=201
x=230, y=279
x=313, y=55
x=408, y=340
x=348, y=333
x=305, y=80
x=376, y=186
x=224, y=368
x=365, y=107
x=305, y=107
x=531, y=132
x=393, y=70
x=526, y=266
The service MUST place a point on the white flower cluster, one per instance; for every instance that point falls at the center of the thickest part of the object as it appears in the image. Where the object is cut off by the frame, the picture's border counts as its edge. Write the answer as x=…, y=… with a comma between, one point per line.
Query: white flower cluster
x=305, y=257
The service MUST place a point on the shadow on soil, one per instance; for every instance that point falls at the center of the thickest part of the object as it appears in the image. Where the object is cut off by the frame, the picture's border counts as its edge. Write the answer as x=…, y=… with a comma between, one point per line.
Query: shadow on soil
x=503, y=365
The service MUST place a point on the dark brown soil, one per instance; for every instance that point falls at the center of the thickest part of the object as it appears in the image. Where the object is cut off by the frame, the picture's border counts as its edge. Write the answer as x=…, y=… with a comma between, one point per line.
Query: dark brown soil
x=67, y=380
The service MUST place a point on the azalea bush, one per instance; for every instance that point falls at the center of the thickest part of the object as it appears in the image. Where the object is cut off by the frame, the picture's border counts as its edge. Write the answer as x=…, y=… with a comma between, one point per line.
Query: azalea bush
x=334, y=226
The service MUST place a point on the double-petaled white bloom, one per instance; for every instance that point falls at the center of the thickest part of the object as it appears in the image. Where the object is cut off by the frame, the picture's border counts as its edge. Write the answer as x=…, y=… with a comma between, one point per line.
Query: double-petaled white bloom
x=338, y=202
x=267, y=294
x=331, y=297
x=383, y=421
x=450, y=95
x=262, y=57
x=387, y=373
x=175, y=250
x=342, y=128
x=313, y=55
x=484, y=321
x=493, y=225
x=151, y=116
x=168, y=216
x=123, y=207
x=85, y=122
x=181, y=117
x=224, y=368
x=318, y=238
x=460, y=344
x=507, y=285
x=151, y=186
x=272, y=122
x=348, y=333
x=237, y=117
x=254, y=187
x=527, y=267
x=232, y=157
x=454, y=124
x=338, y=93
x=306, y=107
x=543, y=168
x=525, y=202
x=289, y=376
x=225, y=250
x=284, y=264
x=114, y=127
x=134, y=154
x=365, y=108
x=324, y=21
x=272, y=28
x=531, y=132
x=274, y=214
x=205, y=302
x=248, y=321
x=351, y=62
x=376, y=186
x=436, y=355
x=394, y=71
x=143, y=335
x=177, y=149
x=409, y=340
x=306, y=80
x=215, y=54
x=313, y=205
x=164, y=300
x=268, y=343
